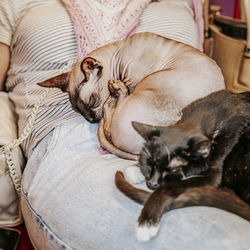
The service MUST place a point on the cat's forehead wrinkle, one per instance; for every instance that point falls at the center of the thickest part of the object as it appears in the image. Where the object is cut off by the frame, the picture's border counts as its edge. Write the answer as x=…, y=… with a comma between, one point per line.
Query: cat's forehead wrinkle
x=155, y=155
x=175, y=146
x=174, y=137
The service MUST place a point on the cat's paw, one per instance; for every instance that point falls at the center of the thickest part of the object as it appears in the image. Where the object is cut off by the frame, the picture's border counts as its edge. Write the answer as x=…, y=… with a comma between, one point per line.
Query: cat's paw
x=133, y=175
x=146, y=232
x=117, y=88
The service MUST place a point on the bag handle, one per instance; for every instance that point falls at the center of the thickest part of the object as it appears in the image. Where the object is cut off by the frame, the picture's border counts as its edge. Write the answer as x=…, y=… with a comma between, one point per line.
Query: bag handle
x=247, y=12
x=206, y=17
x=8, y=149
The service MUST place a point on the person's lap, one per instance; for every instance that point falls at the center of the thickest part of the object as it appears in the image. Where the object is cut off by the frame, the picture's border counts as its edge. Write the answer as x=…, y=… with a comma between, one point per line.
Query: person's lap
x=69, y=199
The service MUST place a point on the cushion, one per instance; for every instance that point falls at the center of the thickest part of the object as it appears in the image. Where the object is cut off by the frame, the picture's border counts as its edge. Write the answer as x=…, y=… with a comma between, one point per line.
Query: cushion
x=70, y=201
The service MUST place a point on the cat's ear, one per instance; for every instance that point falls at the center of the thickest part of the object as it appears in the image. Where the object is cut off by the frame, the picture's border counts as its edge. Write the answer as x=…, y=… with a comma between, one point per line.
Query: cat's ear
x=146, y=131
x=89, y=66
x=200, y=146
x=60, y=81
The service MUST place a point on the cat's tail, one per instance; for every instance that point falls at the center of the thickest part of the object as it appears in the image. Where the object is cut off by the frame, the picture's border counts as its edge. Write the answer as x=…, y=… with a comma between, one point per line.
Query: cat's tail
x=110, y=147
x=210, y=196
x=136, y=194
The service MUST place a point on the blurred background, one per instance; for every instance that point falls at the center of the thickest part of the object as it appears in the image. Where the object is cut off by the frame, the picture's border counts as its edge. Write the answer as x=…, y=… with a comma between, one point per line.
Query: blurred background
x=227, y=40
x=229, y=8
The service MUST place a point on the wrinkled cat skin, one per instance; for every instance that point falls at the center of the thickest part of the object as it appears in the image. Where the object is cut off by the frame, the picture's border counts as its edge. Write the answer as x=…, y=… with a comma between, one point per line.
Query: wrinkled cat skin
x=202, y=160
x=146, y=78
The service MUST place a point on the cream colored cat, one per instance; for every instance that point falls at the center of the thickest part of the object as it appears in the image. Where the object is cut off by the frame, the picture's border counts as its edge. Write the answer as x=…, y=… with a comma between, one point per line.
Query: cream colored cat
x=146, y=78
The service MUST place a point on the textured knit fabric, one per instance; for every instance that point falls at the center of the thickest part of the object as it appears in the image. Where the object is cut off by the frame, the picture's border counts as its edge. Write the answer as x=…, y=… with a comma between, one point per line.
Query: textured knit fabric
x=98, y=22
x=41, y=37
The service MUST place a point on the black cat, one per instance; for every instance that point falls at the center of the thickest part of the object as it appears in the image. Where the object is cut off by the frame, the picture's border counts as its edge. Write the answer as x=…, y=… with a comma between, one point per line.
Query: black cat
x=202, y=160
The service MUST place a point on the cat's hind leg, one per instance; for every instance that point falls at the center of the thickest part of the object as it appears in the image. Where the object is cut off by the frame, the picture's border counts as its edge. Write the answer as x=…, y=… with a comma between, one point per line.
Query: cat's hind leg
x=118, y=91
x=221, y=198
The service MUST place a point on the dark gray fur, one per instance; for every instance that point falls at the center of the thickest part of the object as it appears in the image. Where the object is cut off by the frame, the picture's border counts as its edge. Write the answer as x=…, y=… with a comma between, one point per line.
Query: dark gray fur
x=202, y=160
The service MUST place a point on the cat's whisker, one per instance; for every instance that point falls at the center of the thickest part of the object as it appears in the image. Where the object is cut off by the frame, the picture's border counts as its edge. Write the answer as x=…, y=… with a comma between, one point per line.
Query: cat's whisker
x=168, y=152
x=146, y=151
x=183, y=175
x=164, y=174
x=191, y=176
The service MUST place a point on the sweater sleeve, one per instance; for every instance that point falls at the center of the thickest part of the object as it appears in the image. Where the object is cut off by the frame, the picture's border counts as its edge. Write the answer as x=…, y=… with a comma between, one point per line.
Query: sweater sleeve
x=10, y=11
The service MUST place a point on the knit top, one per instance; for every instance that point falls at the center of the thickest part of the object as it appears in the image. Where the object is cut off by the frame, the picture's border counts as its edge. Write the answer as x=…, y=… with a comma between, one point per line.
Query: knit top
x=43, y=44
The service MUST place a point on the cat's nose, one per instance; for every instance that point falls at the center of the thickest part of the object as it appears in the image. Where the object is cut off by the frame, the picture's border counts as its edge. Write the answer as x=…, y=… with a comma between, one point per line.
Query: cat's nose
x=152, y=185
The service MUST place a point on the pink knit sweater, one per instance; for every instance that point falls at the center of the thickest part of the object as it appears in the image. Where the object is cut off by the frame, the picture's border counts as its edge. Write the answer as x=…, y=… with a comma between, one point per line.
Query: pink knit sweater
x=196, y=5
x=98, y=22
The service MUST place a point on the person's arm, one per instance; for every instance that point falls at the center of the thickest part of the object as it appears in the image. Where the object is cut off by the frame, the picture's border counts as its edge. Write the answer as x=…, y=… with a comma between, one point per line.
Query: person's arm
x=4, y=65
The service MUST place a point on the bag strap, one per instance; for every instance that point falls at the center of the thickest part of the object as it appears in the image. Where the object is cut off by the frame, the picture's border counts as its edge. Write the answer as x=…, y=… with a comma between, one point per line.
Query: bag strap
x=247, y=13
x=206, y=17
x=8, y=149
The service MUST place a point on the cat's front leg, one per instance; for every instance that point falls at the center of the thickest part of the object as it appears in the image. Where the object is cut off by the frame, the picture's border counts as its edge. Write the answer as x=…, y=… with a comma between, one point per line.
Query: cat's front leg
x=108, y=111
x=161, y=201
x=149, y=221
x=118, y=91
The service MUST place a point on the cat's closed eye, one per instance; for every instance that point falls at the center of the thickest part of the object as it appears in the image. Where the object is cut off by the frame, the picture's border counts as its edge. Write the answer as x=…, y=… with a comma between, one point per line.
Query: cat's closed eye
x=94, y=101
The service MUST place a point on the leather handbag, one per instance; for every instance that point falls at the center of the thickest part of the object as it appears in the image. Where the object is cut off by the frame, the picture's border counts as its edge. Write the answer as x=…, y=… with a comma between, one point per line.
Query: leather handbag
x=11, y=165
x=12, y=161
x=227, y=41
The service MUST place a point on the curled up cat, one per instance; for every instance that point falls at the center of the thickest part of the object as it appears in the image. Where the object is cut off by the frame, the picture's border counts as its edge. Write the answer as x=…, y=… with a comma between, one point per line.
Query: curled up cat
x=146, y=78
x=202, y=160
